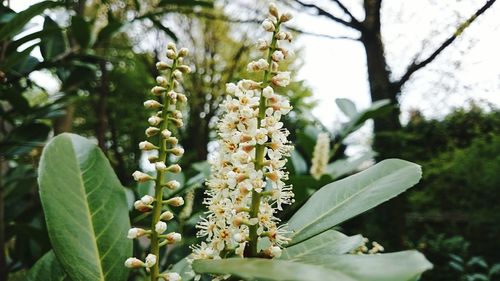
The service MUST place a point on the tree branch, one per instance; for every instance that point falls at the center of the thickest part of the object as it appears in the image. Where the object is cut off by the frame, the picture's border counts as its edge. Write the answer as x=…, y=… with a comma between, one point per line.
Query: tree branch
x=415, y=66
x=344, y=8
x=321, y=12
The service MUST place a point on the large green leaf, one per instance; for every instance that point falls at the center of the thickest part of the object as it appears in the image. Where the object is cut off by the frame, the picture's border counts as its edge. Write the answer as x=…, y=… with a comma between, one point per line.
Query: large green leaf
x=54, y=43
x=21, y=19
x=330, y=242
x=81, y=30
x=400, y=266
x=85, y=210
x=47, y=268
x=344, y=167
x=266, y=269
x=346, y=198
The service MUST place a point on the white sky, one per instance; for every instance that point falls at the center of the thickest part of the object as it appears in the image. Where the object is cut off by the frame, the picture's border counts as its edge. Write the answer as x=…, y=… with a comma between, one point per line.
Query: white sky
x=337, y=68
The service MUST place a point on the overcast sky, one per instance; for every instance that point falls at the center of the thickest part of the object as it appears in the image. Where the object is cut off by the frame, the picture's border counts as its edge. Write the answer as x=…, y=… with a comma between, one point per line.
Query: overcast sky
x=337, y=68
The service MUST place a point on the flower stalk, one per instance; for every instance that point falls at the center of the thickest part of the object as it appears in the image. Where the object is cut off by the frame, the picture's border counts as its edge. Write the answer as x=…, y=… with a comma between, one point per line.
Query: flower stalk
x=247, y=186
x=167, y=117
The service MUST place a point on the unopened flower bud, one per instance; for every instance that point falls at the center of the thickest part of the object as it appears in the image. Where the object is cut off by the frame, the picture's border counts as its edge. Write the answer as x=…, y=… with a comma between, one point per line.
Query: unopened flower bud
x=177, y=151
x=166, y=133
x=153, y=158
x=288, y=36
x=231, y=88
x=183, y=52
x=146, y=145
x=171, y=46
x=172, y=140
x=181, y=97
x=273, y=251
x=160, y=227
x=262, y=45
x=166, y=216
x=173, y=184
x=147, y=199
x=286, y=17
x=177, y=74
x=268, y=25
x=157, y=90
x=141, y=207
x=177, y=114
x=150, y=260
x=162, y=65
x=175, y=168
x=161, y=81
x=238, y=238
x=268, y=92
x=151, y=131
x=160, y=166
x=175, y=201
x=177, y=122
x=152, y=104
x=136, y=232
x=173, y=237
x=141, y=177
x=184, y=68
x=134, y=263
x=273, y=10
x=278, y=56
x=154, y=120
x=171, y=54
x=280, y=35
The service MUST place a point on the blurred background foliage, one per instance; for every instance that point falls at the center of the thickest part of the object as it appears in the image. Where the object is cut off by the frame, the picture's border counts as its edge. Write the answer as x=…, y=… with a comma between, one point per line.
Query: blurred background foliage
x=103, y=54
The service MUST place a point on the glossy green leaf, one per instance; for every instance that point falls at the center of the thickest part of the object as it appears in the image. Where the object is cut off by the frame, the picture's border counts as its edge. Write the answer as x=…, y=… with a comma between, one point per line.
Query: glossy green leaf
x=400, y=266
x=330, y=242
x=85, y=210
x=21, y=19
x=347, y=107
x=81, y=30
x=266, y=269
x=346, y=198
x=16, y=58
x=53, y=44
x=47, y=268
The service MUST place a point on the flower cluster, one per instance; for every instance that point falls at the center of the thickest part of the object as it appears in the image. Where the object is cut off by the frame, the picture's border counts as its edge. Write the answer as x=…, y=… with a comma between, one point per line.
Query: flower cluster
x=247, y=185
x=161, y=141
x=321, y=156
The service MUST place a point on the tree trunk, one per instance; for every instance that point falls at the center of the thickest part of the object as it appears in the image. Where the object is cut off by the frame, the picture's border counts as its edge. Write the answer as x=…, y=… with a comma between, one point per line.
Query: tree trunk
x=386, y=141
x=101, y=108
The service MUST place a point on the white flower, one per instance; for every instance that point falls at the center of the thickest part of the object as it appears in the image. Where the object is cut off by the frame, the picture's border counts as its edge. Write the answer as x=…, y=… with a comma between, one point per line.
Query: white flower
x=160, y=227
x=166, y=133
x=134, y=263
x=150, y=260
x=321, y=156
x=262, y=45
x=281, y=35
x=141, y=177
x=151, y=131
x=281, y=79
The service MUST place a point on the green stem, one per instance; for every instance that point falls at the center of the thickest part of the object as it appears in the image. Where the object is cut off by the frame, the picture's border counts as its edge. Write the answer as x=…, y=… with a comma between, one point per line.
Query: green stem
x=162, y=156
x=259, y=153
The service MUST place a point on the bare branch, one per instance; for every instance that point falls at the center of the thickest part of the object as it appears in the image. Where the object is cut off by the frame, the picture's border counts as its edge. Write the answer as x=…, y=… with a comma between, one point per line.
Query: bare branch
x=259, y=21
x=344, y=8
x=415, y=66
x=321, y=12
